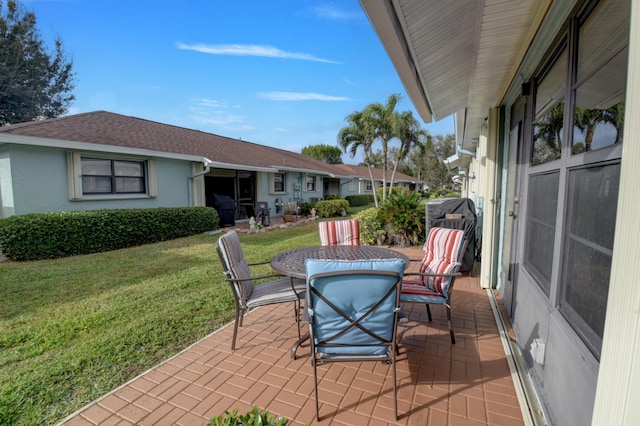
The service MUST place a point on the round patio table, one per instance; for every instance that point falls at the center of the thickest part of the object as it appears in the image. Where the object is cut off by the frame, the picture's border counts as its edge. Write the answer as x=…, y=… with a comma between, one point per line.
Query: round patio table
x=292, y=263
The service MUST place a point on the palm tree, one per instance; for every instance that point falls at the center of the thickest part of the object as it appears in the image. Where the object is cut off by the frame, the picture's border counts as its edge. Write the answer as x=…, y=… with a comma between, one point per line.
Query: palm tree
x=384, y=120
x=548, y=135
x=359, y=134
x=411, y=135
x=587, y=120
x=615, y=116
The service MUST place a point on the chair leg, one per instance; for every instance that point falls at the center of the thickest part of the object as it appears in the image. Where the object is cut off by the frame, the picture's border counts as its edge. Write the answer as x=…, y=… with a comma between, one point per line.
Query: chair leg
x=315, y=380
x=395, y=388
x=235, y=328
x=428, y=312
x=296, y=312
x=453, y=338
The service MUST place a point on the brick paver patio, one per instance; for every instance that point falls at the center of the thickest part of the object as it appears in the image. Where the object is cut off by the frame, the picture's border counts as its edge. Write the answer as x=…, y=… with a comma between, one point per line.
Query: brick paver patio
x=468, y=383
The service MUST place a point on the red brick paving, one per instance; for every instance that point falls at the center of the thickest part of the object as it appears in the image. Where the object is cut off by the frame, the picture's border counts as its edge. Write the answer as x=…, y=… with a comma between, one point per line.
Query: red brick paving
x=468, y=383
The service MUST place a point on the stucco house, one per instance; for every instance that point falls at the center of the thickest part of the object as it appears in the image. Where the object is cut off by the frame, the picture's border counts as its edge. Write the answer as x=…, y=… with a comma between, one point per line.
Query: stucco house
x=102, y=160
x=546, y=96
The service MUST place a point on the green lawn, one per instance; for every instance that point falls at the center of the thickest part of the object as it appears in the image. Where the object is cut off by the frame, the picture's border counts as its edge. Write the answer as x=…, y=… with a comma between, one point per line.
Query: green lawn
x=73, y=329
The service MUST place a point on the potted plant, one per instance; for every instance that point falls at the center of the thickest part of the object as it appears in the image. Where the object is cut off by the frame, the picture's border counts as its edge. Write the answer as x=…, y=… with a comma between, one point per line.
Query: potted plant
x=253, y=417
x=290, y=211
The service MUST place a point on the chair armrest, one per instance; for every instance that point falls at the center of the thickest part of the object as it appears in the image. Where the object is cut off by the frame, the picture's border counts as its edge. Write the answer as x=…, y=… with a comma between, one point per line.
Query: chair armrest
x=258, y=263
x=427, y=274
x=255, y=278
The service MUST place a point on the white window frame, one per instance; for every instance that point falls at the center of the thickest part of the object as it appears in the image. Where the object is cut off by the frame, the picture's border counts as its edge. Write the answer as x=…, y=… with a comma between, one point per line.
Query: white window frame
x=74, y=175
x=272, y=183
x=310, y=184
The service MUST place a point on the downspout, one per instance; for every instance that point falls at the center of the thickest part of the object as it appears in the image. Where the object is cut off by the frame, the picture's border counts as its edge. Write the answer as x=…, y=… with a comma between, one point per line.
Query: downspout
x=207, y=167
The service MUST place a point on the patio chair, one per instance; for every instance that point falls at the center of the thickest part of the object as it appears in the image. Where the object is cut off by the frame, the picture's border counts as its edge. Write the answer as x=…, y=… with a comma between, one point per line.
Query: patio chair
x=353, y=313
x=247, y=293
x=439, y=268
x=339, y=232
x=263, y=213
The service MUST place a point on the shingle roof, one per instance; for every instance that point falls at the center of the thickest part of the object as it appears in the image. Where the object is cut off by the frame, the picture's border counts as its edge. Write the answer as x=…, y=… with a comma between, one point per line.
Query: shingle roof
x=107, y=128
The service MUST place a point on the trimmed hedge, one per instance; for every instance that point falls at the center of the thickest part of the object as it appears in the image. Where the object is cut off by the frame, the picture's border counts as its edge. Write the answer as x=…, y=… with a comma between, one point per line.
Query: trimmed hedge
x=330, y=208
x=359, y=200
x=61, y=234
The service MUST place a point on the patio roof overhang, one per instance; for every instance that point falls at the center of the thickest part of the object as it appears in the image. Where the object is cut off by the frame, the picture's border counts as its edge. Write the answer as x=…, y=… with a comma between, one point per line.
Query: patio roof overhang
x=302, y=170
x=456, y=57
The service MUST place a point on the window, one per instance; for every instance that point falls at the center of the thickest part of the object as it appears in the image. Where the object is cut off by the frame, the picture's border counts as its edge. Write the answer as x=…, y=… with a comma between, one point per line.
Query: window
x=541, y=227
x=102, y=176
x=92, y=177
x=549, y=112
x=576, y=177
x=310, y=183
x=279, y=182
x=588, y=241
x=368, y=187
x=601, y=77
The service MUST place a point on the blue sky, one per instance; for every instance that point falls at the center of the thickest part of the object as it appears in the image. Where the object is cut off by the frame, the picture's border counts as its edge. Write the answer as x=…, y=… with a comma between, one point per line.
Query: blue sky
x=278, y=73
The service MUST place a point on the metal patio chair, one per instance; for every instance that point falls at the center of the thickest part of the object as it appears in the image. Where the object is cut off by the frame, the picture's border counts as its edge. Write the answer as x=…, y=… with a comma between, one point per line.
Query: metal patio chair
x=439, y=269
x=247, y=293
x=353, y=313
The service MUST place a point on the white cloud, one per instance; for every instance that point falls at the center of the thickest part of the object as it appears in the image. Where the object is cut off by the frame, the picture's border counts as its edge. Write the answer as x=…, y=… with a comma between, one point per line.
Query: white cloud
x=214, y=112
x=296, y=96
x=224, y=121
x=331, y=12
x=211, y=103
x=250, y=50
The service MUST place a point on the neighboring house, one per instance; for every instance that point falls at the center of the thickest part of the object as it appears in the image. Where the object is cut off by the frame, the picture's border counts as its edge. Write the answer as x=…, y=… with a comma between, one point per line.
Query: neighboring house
x=541, y=90
x=104, y=160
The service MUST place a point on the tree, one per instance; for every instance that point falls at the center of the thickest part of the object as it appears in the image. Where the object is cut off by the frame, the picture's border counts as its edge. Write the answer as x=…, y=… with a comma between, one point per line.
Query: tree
x=548, y=135
x=34, y=83
x=327, y=153
x=375, y=160
x=384, y=120
x=411, y=135
x=425, y=161
x=359, y=135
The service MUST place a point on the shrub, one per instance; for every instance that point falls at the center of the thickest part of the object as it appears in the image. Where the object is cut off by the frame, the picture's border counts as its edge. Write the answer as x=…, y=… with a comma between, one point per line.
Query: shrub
x=359, y=200
x=371, y=225
x=290, y=207
x=330, y=208
x=53, y=235
x=444, y=193
x=333, y=197
x=253, y=417
x=305, y=209
x=404, y=217
x=401, y=190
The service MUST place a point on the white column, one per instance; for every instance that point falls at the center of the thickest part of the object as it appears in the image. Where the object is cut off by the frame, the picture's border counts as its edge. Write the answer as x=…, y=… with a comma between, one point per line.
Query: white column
x=618, y=392
x=489, y=252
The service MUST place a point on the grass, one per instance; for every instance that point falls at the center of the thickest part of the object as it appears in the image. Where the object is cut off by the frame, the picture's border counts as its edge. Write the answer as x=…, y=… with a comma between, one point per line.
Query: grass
x=75, y=328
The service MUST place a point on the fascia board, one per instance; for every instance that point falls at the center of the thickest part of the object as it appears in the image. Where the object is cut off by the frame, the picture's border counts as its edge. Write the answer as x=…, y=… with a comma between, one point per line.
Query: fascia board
x=95, y=147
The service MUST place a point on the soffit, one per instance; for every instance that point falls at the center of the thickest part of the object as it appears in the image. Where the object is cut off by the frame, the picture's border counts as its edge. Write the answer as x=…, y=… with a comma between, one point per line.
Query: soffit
x=461, y=54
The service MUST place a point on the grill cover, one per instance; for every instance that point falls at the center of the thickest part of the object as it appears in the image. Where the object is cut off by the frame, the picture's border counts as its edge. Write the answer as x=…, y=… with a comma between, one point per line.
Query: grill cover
x=458, y=213
x=226, y=208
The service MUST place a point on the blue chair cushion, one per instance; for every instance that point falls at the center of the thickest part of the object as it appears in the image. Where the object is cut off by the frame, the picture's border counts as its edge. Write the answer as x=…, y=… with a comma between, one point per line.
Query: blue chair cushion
x=353, y=294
